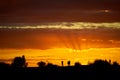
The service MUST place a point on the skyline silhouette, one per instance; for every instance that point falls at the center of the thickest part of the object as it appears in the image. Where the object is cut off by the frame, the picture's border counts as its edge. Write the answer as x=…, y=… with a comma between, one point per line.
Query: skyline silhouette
x=20, y=61
x=99, y=69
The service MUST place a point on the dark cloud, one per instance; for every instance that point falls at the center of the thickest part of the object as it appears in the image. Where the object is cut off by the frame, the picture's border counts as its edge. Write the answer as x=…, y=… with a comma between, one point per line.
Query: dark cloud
x=36, y=11
x=61, y=38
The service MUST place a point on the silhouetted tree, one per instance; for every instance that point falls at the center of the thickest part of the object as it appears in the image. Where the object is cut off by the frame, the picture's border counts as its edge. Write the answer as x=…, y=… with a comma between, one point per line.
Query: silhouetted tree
x=19, y=62
x=51, y=65
x=4, y=65
x=77, y=64
x=101, y=65
x=41, y=64
x=23, y=60
x=115, y=63
x=101, y=62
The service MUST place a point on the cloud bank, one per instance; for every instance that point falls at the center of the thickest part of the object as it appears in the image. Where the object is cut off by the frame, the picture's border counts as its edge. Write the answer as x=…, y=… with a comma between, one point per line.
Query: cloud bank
x=64, y=25
x=60, y=37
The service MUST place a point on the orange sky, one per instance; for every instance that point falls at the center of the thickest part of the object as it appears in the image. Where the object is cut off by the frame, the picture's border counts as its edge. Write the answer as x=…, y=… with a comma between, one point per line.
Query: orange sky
x=56, y=44
x=46, y=38
x=56, y=55
x=64, y=29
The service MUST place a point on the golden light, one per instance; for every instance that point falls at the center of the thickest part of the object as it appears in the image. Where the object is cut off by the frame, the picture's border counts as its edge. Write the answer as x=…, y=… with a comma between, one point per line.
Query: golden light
x=63, y=42
x=83, y=39
x=57, y=55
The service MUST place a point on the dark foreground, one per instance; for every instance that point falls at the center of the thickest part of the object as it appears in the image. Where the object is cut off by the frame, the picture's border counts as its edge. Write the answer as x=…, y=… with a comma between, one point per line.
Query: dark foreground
x=78, y=72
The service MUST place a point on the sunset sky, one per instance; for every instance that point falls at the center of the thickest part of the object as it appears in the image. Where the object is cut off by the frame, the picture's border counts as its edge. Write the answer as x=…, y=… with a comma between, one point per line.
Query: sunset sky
x=38, y=11
x=56, y=30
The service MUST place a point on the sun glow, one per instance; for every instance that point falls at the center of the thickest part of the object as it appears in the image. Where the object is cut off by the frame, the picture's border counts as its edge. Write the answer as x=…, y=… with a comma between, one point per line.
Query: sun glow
x=56, y=42
x=56, y=55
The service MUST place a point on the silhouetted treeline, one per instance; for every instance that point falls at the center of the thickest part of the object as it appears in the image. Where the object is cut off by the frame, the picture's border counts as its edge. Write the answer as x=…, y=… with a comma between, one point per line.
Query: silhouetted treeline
x=19, y=62
x=98, y=70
